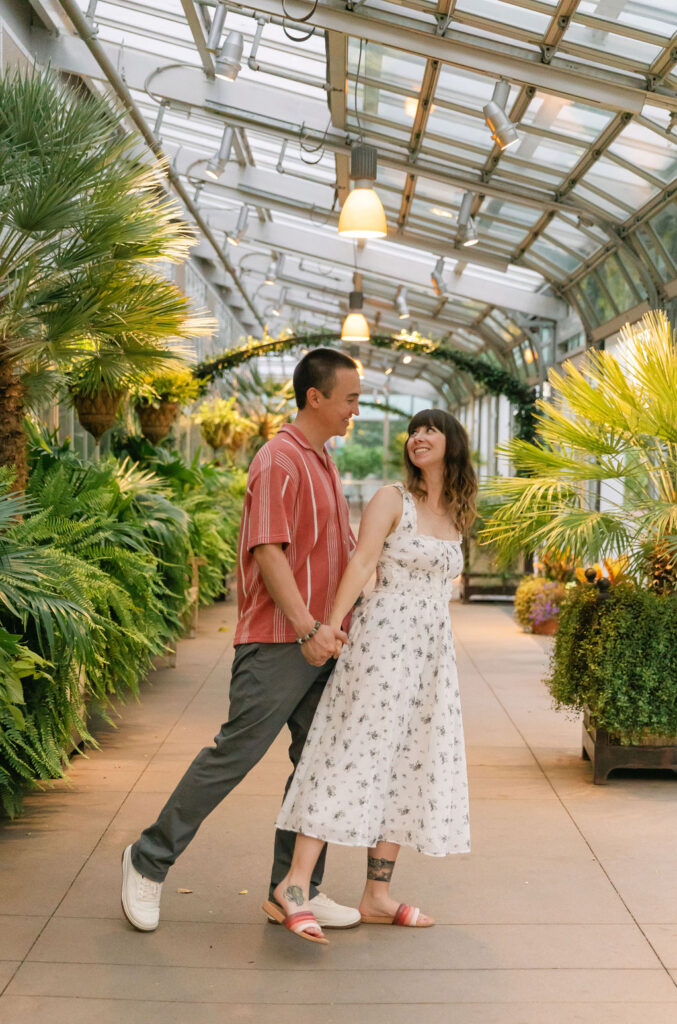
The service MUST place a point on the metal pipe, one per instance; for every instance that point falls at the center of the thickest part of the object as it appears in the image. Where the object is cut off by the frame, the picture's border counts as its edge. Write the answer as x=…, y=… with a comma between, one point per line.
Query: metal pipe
x=86, y=34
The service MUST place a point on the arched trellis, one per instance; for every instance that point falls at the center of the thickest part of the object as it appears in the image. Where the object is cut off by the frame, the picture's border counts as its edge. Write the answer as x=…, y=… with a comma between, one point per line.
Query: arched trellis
x=495, y=379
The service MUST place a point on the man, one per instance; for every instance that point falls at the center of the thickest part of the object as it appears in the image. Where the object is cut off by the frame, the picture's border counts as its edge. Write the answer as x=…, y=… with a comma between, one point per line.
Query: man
x=295, y=542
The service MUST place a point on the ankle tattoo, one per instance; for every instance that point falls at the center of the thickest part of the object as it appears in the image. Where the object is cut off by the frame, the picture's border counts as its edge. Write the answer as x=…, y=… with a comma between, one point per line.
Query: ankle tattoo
x=294, y=893
x=379, y=869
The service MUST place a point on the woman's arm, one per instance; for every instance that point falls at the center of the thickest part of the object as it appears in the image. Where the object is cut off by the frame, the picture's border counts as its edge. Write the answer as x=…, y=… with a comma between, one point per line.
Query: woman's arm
x=380, y=517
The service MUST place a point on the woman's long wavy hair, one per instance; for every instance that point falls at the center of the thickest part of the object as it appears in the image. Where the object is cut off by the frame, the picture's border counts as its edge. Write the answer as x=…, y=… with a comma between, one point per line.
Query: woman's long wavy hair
x=460, y=481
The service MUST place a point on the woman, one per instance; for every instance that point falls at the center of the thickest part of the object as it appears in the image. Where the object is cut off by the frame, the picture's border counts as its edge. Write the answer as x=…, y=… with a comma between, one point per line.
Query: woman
x=384, y=762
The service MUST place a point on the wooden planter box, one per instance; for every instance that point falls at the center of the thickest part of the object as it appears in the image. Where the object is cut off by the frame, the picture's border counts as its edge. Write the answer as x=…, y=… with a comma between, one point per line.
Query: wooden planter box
x=606, y=752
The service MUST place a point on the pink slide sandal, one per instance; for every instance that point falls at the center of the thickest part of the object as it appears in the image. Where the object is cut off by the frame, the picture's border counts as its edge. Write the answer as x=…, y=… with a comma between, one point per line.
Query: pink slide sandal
x=298, y=924
x=405, y=916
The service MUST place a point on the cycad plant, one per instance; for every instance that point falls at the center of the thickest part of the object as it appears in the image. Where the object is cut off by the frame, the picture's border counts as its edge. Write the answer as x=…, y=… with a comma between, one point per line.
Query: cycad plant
x=601, y=478
x=81, y=216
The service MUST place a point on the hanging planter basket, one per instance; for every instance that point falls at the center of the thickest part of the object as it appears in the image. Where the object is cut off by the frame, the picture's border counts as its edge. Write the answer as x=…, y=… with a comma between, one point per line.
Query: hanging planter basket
x=97, y=413
x=156, y=422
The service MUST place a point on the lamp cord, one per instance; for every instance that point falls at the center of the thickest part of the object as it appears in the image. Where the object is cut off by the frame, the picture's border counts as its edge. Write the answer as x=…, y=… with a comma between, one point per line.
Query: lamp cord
x=357, y=79
x=306, y=17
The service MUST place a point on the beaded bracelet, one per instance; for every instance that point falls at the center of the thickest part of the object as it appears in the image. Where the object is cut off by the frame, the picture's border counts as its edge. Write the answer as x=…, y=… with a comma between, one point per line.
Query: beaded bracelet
x=302, y=639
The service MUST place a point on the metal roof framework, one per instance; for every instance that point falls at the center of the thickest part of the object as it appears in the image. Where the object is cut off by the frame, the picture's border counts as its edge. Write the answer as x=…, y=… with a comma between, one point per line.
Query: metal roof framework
x=582, y=212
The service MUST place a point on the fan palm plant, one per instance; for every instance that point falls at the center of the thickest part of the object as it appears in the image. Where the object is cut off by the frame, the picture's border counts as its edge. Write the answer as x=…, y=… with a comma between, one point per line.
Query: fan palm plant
x=81, y=216
x=601, y=478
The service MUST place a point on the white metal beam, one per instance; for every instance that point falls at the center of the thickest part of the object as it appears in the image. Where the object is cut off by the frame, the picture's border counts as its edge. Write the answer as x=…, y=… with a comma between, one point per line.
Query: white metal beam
x=375, y=260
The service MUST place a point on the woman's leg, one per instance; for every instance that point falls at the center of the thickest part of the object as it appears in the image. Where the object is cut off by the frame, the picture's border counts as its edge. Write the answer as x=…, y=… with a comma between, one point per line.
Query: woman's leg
x=293, y=892
x=376, y=899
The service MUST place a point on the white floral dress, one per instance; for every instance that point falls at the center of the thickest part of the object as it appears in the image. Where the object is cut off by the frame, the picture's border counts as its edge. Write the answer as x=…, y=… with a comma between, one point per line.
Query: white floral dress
x=385, y=757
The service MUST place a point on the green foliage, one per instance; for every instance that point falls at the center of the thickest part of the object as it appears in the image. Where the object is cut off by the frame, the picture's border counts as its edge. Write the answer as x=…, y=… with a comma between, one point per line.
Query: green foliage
x=171, y=385
x=610, y=421
x=360, y=460
x=616, y=655
x=94, y=573
x=81, y=217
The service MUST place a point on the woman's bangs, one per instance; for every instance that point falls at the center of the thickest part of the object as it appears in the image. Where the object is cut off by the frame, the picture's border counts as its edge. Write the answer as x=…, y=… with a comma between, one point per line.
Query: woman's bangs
x=428, y=418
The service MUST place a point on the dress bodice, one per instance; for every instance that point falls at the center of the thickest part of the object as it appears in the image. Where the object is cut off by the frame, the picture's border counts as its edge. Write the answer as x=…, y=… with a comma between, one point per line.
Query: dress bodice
x=418, y=564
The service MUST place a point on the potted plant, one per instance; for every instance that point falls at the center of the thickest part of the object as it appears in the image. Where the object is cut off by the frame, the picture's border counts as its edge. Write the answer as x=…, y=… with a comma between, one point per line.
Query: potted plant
x=537, y=604
x=159, y=400
x=609, y=430
x=223, y=426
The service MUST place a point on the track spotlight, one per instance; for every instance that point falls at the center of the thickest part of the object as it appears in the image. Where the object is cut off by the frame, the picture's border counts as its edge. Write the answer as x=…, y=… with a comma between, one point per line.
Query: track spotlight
x=355, y=326
x=274, y=268
x=279, y=303
x=503, y=131
x=362, y=215
x=216, y=28
x=217, y=164
x=240, y=228
x=401, y=303
x=467, y=229
x=227, y=64
x=437, y=278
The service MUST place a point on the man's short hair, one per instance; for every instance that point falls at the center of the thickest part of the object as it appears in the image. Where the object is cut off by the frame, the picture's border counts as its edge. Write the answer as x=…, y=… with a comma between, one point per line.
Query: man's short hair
x=318, y=369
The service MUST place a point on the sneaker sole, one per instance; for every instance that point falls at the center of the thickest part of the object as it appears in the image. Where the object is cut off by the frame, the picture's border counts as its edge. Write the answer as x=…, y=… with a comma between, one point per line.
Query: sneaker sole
x=134, y=924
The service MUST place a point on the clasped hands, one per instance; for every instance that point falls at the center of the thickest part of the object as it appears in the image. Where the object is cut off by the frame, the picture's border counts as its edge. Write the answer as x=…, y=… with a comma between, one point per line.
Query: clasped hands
x=327, y=643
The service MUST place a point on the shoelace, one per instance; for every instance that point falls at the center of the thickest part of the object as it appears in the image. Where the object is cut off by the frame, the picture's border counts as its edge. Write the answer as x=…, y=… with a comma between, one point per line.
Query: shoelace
x=148, y=890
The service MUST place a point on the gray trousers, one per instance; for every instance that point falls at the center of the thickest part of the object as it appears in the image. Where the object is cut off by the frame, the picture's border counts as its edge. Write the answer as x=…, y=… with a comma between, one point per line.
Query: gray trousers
x=272, y=685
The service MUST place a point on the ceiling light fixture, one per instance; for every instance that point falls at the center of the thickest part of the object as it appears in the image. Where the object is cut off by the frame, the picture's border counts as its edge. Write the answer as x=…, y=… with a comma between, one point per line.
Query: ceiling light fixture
x=217, y=164
x=228, y=61
x=467, y=229
x=401, y=303
x=274, y=268
x=279, y=304
x=503, y=131
x=406, y=359
x=437, y=279
x=362, y=215
x=388, y=371
x=240, y=228
x=355, y=326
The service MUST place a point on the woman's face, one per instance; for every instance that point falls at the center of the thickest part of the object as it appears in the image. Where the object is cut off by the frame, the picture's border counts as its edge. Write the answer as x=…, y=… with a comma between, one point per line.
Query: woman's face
x=426, y=447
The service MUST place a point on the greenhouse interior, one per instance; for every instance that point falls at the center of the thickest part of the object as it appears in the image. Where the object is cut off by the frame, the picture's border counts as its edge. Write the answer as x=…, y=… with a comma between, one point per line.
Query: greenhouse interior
x=338, y=356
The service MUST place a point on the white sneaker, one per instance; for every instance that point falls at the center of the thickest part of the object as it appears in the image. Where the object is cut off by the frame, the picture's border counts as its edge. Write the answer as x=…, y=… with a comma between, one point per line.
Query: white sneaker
x=332, y=915
x=140, y=896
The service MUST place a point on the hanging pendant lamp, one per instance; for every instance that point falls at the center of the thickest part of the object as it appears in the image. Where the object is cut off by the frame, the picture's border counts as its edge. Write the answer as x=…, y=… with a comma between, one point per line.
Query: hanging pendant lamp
x=355, y=326
x=362, y=215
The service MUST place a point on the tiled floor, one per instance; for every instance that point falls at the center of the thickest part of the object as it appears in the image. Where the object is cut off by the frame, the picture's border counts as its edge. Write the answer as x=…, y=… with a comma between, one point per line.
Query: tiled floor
x=565, y=911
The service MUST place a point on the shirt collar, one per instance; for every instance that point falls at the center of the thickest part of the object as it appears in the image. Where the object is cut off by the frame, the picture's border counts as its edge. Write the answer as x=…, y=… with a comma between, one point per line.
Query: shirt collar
x=299, y=436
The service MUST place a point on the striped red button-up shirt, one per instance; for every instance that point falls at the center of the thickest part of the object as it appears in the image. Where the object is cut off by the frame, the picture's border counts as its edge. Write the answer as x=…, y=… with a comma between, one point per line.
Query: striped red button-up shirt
x=293, y=498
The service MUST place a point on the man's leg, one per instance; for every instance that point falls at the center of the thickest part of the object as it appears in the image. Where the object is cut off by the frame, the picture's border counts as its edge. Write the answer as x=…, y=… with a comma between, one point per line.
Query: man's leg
x=268, y=683
x=299, y=723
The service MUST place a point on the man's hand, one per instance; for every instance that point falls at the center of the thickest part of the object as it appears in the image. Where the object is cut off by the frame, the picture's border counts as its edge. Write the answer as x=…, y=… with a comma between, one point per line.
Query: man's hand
x=320, y=648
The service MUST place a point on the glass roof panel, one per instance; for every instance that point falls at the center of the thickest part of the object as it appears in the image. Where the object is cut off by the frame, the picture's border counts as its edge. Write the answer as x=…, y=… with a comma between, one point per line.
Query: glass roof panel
x=623, y=183
x=641, y=146
x=648, y=15
x=506, y=13
x=581, y=122
x=635, y=50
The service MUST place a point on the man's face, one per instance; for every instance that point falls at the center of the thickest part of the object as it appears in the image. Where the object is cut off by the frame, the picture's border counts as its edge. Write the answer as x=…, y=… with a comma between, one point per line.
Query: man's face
x=338, y=408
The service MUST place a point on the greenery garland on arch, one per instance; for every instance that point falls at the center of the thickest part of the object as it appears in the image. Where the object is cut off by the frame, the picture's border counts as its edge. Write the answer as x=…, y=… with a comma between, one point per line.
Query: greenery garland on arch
x=495, y=379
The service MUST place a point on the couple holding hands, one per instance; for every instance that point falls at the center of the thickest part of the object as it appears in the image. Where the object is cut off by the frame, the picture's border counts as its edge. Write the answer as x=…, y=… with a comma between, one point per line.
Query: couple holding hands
x=367, y=686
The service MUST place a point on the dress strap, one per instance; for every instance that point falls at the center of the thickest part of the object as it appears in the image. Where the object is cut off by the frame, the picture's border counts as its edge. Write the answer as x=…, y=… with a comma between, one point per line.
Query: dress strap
x=408, y=520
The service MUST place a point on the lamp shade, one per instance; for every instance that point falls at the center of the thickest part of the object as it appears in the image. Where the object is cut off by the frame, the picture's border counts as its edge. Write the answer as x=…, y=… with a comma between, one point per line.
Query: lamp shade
x=355, y=328
x=362, y=215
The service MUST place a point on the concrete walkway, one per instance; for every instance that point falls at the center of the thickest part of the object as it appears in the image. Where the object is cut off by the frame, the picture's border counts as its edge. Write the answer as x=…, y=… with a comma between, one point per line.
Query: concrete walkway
x=565, y=911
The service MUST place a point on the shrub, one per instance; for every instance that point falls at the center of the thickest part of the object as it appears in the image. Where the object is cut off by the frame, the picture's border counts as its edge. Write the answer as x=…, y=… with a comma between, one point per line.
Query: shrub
x=616, y=655
x=360, y=460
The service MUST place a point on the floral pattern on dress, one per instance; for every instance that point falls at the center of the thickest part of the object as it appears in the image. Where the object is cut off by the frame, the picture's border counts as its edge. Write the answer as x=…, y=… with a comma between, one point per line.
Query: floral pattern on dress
x=385, y=755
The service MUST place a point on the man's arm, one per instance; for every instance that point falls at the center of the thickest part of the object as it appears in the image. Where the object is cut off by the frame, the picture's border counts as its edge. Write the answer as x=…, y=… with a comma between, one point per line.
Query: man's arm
x=281, y=585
